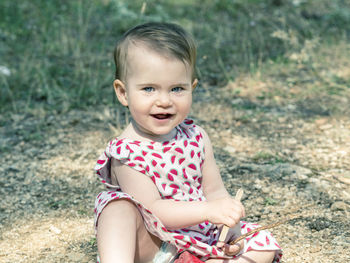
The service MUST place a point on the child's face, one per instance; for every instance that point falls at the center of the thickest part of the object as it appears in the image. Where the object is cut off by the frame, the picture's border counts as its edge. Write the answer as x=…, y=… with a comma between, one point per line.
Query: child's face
x=157, y=90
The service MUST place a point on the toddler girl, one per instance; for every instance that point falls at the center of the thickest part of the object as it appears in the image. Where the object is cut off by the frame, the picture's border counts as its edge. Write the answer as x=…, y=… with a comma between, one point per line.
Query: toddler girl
x=165, y=193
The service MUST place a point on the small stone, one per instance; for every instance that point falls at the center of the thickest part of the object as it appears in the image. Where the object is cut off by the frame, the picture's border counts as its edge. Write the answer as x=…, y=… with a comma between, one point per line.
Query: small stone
x=315, y=248
x=258, y=187
x=292, y=141
x=55, y=230
x=265, y=190
x=75, y=256
x=230, y=149
x=339, y=205
x=326, y=127
x=259, y=200
x=321, y=122
x=344, y=179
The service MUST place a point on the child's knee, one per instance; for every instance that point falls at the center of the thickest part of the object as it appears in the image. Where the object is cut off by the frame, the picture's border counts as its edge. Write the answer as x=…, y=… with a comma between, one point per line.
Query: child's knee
x=122, y=209
x=259, y=256
x=266, y=256
x=270, y=255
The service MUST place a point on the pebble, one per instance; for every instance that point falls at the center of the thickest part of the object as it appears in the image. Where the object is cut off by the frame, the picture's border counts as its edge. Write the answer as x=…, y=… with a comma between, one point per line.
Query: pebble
x=76, y=256
x=230, y=149
x=55, y=230
x=315, y=248
x=326, y=127
x=259, y=200
x=339, y=205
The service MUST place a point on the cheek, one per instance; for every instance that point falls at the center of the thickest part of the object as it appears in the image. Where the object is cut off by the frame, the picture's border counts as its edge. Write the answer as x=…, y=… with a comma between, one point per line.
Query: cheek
x=134, y=99
x=185, y=104
x=138, y=106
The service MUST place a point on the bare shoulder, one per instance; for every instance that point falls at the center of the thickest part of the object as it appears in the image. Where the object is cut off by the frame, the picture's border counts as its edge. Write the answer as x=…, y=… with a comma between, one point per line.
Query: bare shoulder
x=123, y=174
x=134, y=183
x=205, y=135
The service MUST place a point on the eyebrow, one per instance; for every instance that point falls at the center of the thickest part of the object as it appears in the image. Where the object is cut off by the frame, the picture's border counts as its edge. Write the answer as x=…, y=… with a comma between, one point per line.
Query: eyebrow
x=152, y=84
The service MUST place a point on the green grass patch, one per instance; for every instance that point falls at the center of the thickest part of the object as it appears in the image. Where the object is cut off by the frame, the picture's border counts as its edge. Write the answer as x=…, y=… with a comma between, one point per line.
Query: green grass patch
x=266, y=157
x=270, y=201
x=59, y=53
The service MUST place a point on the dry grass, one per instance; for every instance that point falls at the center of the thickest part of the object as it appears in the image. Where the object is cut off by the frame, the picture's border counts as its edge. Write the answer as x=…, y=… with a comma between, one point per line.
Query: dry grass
x=45, y=239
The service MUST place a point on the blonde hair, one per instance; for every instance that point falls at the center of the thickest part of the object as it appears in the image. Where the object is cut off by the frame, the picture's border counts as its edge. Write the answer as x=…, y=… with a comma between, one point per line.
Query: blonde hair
x=165, y=38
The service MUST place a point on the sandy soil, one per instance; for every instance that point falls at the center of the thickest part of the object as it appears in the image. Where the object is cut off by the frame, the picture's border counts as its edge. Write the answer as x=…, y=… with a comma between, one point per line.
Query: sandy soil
x=290, y=158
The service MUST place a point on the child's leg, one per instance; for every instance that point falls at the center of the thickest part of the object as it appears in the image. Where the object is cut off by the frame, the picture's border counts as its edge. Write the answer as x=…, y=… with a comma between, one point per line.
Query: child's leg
x=252, y=256
x=122, y=236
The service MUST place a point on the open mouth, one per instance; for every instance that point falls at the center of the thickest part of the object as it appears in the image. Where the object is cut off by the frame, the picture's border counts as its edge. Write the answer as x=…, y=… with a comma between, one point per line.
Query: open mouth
x=162, y=116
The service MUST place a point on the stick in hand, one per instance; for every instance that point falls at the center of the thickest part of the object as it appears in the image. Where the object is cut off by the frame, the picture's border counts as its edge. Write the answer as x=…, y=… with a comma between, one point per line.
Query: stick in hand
x=225, y=228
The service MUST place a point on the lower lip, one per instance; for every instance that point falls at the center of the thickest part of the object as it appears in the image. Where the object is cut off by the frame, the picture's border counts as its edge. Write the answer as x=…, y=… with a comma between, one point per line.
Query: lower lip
x=162, y=120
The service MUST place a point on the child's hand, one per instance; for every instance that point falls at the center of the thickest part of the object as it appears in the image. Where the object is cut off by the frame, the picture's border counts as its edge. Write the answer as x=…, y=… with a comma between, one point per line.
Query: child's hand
x=232, y=234
x=227, y=211
x=231, y=250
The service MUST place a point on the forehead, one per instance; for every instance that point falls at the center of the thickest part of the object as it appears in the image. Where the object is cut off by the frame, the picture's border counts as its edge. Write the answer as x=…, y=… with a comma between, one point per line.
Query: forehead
x=143, y=49
x=141, y=58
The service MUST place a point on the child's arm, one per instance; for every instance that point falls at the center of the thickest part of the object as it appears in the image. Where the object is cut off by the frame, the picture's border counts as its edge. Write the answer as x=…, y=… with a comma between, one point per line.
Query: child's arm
x=173, y=214
x=213, y=185
x=214, y=188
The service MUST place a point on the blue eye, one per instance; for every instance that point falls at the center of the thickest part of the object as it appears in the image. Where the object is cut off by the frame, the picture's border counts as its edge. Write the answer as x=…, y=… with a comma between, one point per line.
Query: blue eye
x=148, y=89
x=177, y=89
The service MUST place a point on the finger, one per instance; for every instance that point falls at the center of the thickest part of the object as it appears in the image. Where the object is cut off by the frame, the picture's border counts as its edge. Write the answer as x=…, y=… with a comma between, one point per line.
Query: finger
x=241, y=244
x=231, y=222
x=235, y=219
x=232, y=250
x=220, y=244
x=243, y=210
x=239, y=207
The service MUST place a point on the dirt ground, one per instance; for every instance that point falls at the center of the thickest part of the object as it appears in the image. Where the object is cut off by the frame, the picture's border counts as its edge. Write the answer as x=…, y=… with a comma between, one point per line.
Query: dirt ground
x=290, y=159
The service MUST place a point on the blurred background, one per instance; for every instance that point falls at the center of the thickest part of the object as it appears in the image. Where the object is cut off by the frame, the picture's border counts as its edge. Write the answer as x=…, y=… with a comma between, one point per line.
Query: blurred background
x=57, y=55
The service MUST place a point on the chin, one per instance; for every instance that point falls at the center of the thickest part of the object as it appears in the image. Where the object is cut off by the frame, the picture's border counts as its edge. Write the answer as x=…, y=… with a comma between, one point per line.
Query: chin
x=162, y=132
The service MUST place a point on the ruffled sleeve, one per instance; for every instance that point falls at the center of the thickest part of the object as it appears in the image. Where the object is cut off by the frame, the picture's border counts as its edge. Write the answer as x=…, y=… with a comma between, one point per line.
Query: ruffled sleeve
x=128, y=152
x=117, y=149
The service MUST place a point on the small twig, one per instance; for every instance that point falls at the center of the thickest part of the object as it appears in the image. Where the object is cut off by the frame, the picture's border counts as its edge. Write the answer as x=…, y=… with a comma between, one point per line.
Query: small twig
x=263, y=228
x=273, y=224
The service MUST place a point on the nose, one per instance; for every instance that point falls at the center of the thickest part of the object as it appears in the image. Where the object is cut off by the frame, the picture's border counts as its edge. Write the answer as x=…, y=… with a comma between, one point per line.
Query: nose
x=163, y=100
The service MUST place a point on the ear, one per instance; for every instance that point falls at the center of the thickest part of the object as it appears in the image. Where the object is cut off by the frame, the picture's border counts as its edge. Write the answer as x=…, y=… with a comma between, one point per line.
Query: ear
x=194, y=84
x=120, y=91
